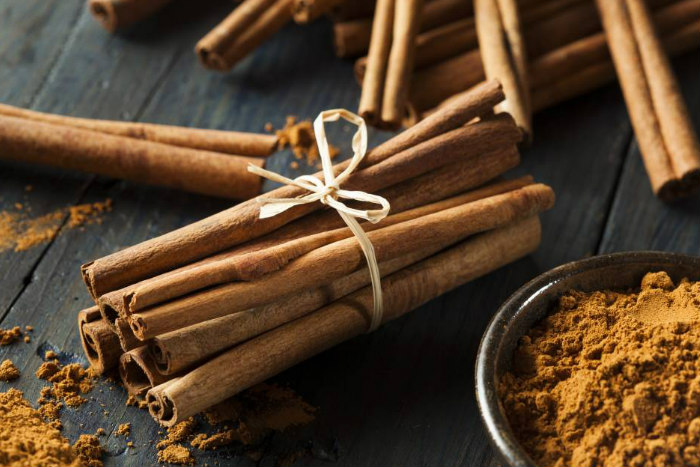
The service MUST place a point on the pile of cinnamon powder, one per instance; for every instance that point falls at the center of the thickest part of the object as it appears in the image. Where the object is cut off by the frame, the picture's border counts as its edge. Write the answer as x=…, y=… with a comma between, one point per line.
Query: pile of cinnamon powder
x=611, y=379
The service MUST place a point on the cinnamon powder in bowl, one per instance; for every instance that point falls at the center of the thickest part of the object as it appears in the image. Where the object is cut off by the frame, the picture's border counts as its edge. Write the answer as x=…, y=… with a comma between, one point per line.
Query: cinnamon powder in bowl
x=604, y=377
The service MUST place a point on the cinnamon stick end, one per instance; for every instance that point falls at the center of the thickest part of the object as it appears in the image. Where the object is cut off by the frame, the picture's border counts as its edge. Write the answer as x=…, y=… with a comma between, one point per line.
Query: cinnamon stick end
x=674, y=190
x=103, y=11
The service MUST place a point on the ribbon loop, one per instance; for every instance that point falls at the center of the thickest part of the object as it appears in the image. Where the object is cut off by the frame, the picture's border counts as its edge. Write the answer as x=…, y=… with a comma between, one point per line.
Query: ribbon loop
x=328, y=192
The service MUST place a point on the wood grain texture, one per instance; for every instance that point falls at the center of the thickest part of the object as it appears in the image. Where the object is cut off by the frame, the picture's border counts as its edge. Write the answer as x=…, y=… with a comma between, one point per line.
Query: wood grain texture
x=400, y=396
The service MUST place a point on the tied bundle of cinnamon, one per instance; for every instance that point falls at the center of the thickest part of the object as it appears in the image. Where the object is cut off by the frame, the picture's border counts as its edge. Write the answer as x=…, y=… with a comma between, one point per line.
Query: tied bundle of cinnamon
x=210, y=162
x=665, y=134
x=390, y=62
x=249, y=25
x=241, y=296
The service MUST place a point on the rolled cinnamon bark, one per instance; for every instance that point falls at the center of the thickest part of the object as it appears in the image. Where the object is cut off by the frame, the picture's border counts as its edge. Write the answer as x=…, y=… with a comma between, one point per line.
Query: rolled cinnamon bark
x=305, y=11
x=400, y=63
x=118, y=14
x=248, y=26
x=138, y=372
x=651, y=96
x=192, y=170
x=298, y=237
x=569, y=66
x=338, y=259
x=677, y=131
x=260, y=358
x=229, y=142
x=429, y=188
x=180, y=349
x=100, y=343
x=352, y=38
x=240, y=223
x=127, y=340
x=599, y=74
x=503, y=56
x=370, y=107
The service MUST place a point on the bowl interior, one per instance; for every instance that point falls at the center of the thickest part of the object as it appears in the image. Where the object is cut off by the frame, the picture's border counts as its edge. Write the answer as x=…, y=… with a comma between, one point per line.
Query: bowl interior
x=533, y=302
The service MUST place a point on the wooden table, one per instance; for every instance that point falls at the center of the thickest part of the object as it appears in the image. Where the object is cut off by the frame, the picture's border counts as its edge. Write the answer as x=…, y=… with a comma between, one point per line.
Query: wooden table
x=401, y=396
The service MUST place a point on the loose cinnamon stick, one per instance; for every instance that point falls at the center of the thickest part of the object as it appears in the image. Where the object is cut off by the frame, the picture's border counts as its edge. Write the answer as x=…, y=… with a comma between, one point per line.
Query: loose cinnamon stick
x=118, y=14
x=229, y=142
x=419, y=191
x=628, y=30
x=502, y=50
x=273, y=251
x=180, y=349
x=138, y=371
x=352, y=38
x=400, y=65
x=100, y=343
x=305, y=11
x=248, y=26
x=281, y=348
x=447, y=79
x=333, y=261
x=599, y=74
x=193, y=170
x=677, y=131
x=370, y=107
x=240, y=223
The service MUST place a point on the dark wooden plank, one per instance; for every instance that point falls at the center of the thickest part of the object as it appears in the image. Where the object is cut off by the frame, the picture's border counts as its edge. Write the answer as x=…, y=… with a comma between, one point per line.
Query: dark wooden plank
x=639, y=221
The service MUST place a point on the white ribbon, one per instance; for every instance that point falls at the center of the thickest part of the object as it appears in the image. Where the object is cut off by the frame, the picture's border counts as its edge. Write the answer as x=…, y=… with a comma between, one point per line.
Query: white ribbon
x=328, y=192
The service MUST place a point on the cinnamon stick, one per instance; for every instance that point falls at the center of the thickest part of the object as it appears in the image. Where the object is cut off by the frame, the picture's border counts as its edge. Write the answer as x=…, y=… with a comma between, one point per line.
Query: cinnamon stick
x=227, y=266
x=118, y=14
x=180, y=349
x=503, y=55
x=564, y=65
x=229, y=142
x=352, y=38
x=262, y=357
x=100, y=343
x=305, y=11
x=192, y=170
x=400, y=65
x=127, y=340
x=138, y=372
x=272, y=251
x=673, y=166
x=333, y=261
x=240, y=223
x=581, y=80
x=370, y=107
x=248, y=26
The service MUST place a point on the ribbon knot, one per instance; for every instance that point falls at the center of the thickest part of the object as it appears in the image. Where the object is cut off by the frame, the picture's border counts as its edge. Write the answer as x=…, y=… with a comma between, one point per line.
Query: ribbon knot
x=328, y=192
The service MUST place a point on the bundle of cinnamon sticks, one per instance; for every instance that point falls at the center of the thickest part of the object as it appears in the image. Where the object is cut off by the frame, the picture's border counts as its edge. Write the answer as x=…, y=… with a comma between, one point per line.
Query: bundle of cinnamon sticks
x=211, y=162
x=237, y=299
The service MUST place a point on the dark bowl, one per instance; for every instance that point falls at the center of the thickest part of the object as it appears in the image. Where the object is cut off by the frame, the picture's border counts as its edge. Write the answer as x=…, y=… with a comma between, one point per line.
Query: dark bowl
x=534, y=301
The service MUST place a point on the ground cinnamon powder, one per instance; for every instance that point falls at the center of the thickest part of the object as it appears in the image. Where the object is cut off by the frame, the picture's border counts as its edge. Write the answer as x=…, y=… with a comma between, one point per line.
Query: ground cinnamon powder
x=8, y=371
x=299, y=136
x=611, y=379
x=26, y=440
x=19, y=231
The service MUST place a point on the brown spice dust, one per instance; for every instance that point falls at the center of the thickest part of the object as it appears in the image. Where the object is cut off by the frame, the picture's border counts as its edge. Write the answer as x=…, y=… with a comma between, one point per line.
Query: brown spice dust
x=611, y=379
x=299, y=136
x=8, y=371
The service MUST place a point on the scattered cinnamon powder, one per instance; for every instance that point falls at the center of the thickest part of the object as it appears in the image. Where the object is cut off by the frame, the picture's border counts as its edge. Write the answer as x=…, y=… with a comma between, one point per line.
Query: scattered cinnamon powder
x=9, y=336
x=20, y=232
x=26, y=440
x=611, y=379
x=8, y=371
x=299, y=136
x=178, y=433
x=176, y=454
x=68, y=382
x=123, y=430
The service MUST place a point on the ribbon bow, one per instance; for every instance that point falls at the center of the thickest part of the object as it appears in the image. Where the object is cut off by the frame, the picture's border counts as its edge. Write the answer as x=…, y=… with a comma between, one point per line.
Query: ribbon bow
x=329, y=192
